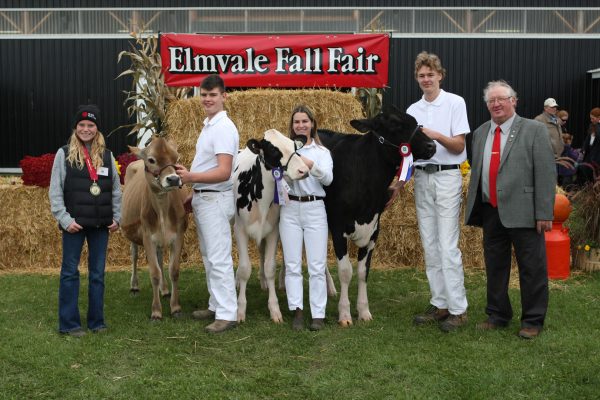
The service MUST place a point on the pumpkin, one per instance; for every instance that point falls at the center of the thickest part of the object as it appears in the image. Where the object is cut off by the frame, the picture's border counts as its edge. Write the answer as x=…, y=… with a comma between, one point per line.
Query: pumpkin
x=562, y=208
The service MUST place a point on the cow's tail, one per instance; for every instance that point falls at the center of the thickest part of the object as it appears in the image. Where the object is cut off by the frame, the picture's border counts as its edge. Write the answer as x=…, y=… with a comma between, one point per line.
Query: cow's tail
x=331, y=290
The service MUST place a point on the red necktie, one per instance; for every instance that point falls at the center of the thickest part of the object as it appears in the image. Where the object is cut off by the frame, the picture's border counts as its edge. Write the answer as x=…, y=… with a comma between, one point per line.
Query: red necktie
x=494, y=166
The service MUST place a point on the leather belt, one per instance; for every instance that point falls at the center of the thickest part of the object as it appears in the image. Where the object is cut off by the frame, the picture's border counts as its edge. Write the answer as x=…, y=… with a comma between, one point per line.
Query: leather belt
x=431, y=168
x=305, y=198
x=206, y=191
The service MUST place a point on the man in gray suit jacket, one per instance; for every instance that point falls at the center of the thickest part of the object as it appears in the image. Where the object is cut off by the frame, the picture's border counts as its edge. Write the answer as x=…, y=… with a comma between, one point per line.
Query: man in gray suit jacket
x=517, y=213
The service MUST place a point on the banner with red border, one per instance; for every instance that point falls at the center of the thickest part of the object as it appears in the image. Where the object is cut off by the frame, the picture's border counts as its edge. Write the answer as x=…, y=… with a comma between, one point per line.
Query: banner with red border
x=278, y=61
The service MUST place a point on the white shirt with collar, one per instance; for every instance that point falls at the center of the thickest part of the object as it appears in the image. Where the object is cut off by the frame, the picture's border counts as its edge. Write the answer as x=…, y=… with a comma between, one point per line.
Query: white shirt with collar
x=487, y=153
x=219, y=136
x=447, y=114
x=321, y=173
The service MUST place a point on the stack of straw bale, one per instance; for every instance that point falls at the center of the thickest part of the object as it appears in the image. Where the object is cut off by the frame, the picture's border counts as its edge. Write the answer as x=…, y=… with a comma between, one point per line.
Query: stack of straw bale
x=31, y=239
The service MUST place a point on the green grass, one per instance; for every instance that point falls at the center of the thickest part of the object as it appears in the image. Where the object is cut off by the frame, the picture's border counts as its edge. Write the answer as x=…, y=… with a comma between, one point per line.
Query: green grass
x=388, y=358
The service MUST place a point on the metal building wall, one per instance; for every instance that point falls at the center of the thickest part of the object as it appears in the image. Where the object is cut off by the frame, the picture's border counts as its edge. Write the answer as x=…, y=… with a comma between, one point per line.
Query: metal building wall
x=295, y=3
x=42, y=82
x=536, y=68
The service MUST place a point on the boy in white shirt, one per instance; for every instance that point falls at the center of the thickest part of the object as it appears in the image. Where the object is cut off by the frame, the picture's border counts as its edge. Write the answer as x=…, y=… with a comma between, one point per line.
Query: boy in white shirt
x=438, y=194
x=213, y=205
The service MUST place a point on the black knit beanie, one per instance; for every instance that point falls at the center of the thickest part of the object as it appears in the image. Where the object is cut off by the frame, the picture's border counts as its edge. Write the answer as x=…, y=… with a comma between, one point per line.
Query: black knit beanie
x=89, y=112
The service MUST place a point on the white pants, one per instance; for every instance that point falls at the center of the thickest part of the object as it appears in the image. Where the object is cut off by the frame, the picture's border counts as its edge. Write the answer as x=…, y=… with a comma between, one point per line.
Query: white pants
x=438, y=197
x=212, y=214
x=305, y=223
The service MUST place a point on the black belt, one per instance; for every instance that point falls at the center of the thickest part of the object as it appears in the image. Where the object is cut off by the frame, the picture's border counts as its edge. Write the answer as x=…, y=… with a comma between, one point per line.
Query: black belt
x=431, y=168
x=206, y=191
x=305, y=198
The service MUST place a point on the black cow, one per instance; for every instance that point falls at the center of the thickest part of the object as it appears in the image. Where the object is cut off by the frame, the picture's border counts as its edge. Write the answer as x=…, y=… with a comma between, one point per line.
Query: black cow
x=363, y=168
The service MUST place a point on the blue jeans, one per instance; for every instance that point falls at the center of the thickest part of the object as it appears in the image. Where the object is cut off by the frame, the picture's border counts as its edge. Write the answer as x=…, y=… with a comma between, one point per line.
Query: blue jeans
x=68, y=292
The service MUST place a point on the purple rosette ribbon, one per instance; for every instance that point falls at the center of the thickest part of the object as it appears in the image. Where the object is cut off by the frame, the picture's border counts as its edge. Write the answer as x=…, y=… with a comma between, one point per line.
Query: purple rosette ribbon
x=280, y=195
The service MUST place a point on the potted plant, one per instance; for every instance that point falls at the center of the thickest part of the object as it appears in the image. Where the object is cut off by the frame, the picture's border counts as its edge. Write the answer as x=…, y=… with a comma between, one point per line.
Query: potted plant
x=584, y=226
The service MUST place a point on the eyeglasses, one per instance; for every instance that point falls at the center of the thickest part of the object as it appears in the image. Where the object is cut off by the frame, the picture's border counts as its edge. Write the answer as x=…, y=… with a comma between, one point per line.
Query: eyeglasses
x=500, y=100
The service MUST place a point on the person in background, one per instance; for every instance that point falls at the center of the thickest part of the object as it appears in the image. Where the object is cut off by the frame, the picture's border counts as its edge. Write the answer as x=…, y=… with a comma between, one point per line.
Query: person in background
x=563, y=118
x=590, y=150
x=511, y=196
x=438, y=194
x=85, y=199
x=552, y=124
x=303, y=221
x=566, y=174
x=213, y=205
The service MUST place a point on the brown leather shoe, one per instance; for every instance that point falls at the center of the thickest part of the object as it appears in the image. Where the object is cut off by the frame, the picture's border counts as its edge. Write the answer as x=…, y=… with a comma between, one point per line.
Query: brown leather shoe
x=203, y=314
x=432, y=314
x=317, y=324
x=453, y=322
x=298, y=323
x=488, y=325
x=220, y=325
x=530, y=332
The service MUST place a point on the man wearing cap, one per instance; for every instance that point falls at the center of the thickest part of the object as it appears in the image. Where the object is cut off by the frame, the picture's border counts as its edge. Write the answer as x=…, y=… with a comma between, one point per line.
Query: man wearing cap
x=550, y=120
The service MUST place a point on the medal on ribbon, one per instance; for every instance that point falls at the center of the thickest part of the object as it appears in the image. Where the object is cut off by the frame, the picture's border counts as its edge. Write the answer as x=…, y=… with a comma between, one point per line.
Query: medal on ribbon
x=280, y=194
x=94, y=187
x=405, y=170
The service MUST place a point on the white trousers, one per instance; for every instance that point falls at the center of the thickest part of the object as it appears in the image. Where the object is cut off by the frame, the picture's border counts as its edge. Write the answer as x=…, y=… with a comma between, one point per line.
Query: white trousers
x=305, y=222
x=212, y=214
x=438, y=197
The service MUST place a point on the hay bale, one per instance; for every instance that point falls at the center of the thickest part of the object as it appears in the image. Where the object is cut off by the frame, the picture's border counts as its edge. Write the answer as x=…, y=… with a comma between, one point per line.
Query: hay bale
x=32, y=241
x=257, y=110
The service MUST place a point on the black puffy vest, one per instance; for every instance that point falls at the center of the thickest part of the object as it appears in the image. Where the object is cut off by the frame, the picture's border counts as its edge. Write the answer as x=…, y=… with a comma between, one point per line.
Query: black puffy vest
x=88, y=210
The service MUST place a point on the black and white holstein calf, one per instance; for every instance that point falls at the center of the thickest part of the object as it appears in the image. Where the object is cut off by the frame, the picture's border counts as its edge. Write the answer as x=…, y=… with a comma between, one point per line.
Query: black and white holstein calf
x=363, y=168
x=257, y=215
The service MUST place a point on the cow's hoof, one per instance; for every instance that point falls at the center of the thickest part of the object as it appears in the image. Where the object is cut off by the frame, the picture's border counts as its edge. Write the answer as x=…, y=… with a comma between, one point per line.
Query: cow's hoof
x=166, y=295
x=365, y=316
x=134, y=291
x=345, y=323
x=177, y=315
x=277, y=320
x=155, y=318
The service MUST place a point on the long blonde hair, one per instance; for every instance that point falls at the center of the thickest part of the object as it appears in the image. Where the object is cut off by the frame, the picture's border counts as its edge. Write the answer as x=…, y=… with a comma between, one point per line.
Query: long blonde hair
x=76, y=157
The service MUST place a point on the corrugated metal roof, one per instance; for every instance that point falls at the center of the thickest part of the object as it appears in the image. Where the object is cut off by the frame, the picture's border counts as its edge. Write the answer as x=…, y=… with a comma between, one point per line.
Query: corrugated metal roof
x=415, y=21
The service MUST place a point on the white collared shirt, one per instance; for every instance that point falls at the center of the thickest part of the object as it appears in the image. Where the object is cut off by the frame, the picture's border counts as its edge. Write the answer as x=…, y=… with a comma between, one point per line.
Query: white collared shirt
x=321, y=173
x=487, y=153
x=447, y=114
x=219, y=136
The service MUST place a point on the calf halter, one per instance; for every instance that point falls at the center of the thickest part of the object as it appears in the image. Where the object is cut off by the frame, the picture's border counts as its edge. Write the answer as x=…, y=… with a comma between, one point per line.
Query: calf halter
x=261, y=158
x=157, y=174
x=405, y=169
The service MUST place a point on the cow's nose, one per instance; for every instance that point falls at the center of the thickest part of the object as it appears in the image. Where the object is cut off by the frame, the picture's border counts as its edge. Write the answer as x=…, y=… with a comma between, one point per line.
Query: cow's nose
x=173, y=180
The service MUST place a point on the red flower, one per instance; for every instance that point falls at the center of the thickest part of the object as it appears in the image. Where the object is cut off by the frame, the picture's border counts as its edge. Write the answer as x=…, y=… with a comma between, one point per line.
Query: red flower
x=124, y=160
x=37, y=170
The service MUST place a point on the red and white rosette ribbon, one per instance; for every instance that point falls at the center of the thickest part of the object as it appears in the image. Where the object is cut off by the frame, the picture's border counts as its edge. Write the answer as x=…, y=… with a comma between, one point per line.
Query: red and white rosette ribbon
x=405, y=170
